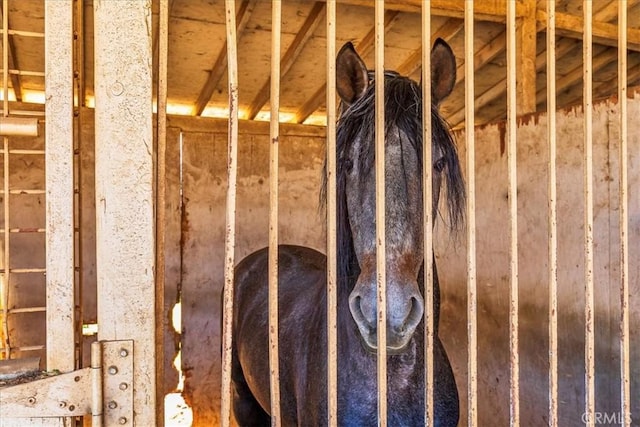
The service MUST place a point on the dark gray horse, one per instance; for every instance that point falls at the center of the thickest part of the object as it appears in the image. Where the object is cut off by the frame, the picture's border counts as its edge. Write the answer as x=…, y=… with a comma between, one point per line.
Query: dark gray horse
x=302, y=271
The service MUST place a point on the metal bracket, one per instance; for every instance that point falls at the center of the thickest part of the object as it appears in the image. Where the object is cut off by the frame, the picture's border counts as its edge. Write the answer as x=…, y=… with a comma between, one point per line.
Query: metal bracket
x=104, y=390
x=117, y=375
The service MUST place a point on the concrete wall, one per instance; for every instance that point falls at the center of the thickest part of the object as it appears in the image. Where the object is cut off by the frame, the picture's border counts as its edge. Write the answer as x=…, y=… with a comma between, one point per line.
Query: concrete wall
x=493, y=268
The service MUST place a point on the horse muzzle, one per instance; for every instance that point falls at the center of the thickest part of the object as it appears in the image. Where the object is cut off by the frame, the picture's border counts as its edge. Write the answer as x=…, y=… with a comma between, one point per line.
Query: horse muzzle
x=405, y=308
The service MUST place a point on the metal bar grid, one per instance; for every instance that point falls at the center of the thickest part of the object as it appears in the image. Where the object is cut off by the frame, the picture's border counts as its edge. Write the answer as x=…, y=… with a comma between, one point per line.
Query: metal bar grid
x=381, y=275
x=230, y=236
x=553, y=222
x=625, y=371
x=589, y=331
x=427, y=211
x=514, y=355
x=274, y=146
x=332, y=261
x=5, y=285
x=472, y=293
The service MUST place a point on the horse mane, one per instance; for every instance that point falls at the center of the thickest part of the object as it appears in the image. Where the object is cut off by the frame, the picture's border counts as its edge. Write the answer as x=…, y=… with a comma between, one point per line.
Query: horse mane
x=403, y=110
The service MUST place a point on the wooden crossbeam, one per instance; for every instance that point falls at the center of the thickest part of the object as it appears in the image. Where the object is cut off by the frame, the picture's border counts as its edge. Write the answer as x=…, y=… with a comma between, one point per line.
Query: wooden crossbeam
x=304, y=34
x=447, y=31
x=220, y=66
x=13, y=65
x=364, y=48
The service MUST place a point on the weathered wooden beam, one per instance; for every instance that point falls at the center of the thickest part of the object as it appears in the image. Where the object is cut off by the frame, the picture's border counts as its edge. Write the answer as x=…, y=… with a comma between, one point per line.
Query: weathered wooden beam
x=575, y=75
x=603, y=33
x=485, y=55
x=364, y=48
x=499, y=88
x=304, y=34
x=484, y=10
x=447, y=31
x=220, y=66
x=13, y=65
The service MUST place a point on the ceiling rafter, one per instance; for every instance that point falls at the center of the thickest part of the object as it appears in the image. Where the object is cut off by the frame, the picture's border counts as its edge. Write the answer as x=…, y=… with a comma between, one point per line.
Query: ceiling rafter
x=604, y=33
x=13, y=65
x=484, y=10
x=220, y=65
x=364, y=48
x=562, y=48
x=447, y=31
x=304, y=34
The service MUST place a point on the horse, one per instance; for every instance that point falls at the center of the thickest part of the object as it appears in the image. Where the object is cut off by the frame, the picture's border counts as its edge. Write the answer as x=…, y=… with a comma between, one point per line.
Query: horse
x=302, y=271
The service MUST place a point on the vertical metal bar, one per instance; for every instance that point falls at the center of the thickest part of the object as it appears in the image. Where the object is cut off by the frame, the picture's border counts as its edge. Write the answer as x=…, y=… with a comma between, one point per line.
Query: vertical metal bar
x=427, y=207
x=472, y=294
x=625, y=373
x=274, y=131
x=230, y=236
x=125, y=233
x=514, y=387
x=5, y=285
x=161, y=163
x=588, y=224
x=332, y=230
x=553, y=214
x=60, y=277
x=380, y=215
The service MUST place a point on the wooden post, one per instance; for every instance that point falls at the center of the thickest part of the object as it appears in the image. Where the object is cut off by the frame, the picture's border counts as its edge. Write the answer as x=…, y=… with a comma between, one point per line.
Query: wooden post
x=125, y=236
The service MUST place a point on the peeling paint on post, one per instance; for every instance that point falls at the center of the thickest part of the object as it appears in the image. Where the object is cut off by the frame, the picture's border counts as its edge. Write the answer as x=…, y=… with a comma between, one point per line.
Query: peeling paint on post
x=59, y=185
x=124, y=188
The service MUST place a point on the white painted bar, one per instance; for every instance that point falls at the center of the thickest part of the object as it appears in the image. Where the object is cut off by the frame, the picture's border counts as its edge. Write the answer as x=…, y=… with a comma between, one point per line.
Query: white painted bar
x=553, y=214
x=381, y=259
x=589, y=351
x=59, y=185
x=274, y=133
x=230, y=235
x=427, y=208
x=332, y=229
x=625, y=372
x=514, y=356
x=125, y=235
x=472, y=293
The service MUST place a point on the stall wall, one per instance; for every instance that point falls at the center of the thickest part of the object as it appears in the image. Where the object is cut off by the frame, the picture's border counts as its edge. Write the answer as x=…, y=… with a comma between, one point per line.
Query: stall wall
x=493, y=269
x=196, y=191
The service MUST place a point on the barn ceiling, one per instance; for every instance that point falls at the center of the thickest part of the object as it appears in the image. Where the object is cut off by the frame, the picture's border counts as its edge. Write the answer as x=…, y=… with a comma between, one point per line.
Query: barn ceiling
x=197, y=66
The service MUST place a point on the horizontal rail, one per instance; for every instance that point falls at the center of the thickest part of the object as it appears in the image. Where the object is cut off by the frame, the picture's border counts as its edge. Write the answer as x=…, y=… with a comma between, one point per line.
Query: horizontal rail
x=24, y=73
x=24, y=230
x=24, y=310
x=32, y=152
x=25, y=348
x=24, y=191
x=23, y=33
x=23, y=270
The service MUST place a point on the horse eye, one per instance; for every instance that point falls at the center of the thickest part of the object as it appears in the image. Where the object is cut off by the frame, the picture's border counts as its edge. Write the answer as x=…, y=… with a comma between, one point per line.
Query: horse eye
x=440, y=165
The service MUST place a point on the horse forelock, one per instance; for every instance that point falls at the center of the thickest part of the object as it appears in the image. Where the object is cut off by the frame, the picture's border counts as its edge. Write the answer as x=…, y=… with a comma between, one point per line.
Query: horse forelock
x=403, y=111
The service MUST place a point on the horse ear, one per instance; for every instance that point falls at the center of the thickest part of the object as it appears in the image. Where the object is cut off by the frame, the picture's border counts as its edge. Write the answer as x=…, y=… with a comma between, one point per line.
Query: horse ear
x=352, y=78
x=443, y=70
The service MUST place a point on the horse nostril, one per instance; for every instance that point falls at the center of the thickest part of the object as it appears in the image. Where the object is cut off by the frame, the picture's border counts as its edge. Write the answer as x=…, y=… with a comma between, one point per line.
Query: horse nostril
x=415, y=314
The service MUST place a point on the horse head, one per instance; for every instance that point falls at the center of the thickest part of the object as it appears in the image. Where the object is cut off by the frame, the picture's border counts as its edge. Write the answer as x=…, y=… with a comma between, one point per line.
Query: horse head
x=403, y=187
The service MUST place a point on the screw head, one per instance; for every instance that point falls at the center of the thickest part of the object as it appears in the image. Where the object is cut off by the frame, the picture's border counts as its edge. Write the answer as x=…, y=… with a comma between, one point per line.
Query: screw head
x=124, y=386
x=113, y=370
x=113, y=405
x=124, y=352
x=122, y=420
x=31, y=400
x=72, y=408
x=62, y=404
